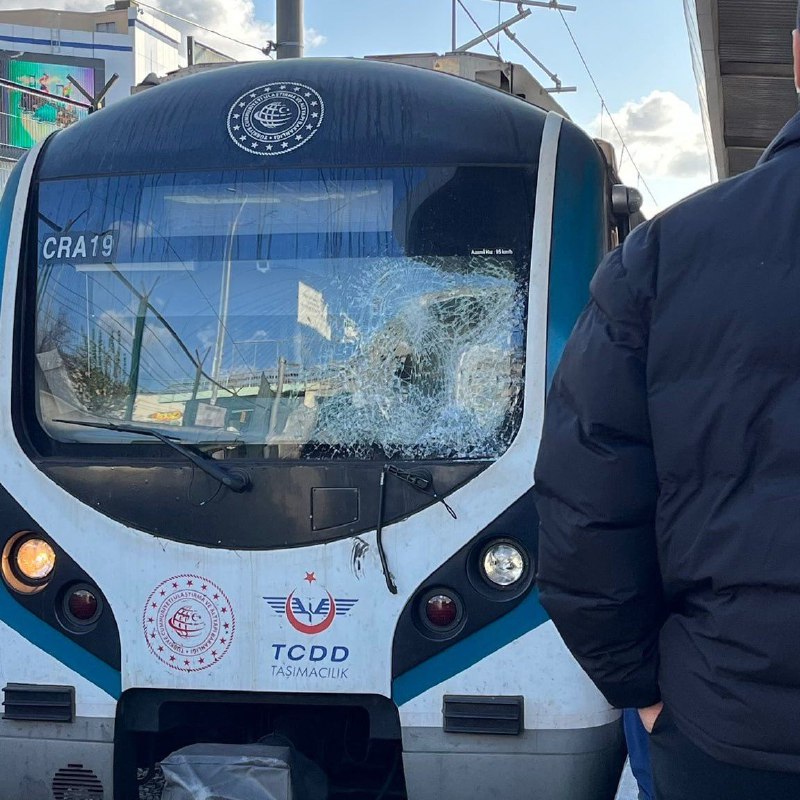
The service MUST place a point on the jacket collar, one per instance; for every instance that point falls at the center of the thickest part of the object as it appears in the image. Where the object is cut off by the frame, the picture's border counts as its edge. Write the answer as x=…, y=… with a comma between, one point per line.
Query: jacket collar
x=788, y=137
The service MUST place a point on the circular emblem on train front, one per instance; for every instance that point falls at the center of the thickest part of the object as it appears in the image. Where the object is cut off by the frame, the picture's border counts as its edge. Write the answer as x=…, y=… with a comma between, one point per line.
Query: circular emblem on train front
x=275, y=118
x=188, y=623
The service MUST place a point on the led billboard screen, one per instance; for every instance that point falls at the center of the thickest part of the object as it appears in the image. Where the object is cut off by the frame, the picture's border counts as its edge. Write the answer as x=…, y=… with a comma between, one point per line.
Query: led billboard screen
x=27, y=118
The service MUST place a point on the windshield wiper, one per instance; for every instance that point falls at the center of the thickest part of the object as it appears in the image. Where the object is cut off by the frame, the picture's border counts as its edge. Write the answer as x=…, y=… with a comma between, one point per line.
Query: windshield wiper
x=236, y=480
x=422, y=481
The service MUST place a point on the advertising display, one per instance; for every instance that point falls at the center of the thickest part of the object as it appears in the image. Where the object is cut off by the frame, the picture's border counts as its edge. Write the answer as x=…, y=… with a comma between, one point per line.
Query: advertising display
x=29, y=117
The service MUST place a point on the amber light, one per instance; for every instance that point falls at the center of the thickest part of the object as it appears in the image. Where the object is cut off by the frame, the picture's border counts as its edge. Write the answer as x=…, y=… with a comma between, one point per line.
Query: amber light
x=34, y=559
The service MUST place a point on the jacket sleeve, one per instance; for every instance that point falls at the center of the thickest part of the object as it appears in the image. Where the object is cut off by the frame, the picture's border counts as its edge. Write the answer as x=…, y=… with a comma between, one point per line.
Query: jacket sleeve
x=596, y=492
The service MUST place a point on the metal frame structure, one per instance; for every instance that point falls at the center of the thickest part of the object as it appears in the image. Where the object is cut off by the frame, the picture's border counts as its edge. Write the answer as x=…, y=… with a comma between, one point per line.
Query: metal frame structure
x=743, y=63
x=505, y=27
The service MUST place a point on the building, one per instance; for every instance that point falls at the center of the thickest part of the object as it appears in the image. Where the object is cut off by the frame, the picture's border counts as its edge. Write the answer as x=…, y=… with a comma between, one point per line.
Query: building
x=742, y=54
x=41, y=48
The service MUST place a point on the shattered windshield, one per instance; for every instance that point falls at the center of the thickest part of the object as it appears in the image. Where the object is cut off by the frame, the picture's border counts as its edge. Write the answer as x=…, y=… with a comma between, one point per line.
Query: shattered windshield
x=351, y=313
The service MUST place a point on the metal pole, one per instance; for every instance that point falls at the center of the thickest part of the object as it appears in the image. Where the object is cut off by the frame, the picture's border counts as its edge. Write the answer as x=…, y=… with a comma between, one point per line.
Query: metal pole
x=553, y=77
x=224, y=301
x=222, y=330
x=289, y=25
x=273, y=417
x=453, y=28
x=542, y=4
x=19, y=87
x=198, y=373
x=484, y=37
x=136, y=355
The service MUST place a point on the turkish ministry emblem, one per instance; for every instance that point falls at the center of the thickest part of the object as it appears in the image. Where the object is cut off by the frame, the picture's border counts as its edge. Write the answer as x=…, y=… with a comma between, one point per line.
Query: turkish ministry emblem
x=313, y=609
x=188, y=623
x=275, y=118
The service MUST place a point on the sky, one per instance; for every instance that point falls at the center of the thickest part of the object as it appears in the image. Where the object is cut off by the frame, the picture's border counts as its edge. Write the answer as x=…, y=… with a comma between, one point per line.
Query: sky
x=637, y=50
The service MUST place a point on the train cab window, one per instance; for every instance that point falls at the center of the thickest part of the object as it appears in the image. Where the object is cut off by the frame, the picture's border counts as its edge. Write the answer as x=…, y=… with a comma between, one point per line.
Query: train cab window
x=316, y=313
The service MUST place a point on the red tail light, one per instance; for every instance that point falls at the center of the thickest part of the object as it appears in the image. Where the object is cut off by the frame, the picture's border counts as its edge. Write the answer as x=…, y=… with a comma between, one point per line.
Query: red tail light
x=82, y=605
x=441, y=611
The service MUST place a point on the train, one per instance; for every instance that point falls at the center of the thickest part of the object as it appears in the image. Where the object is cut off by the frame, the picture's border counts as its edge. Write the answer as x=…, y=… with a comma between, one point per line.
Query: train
x=275, y=343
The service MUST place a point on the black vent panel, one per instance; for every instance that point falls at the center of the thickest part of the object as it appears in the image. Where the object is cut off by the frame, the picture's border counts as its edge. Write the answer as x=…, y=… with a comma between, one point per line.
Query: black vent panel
x=32, y=702
x=488, y=715
x=75, y=782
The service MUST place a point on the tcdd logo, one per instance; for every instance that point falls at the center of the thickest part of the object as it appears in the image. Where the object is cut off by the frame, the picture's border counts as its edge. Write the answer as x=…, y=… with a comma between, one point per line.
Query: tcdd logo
x=313, y=613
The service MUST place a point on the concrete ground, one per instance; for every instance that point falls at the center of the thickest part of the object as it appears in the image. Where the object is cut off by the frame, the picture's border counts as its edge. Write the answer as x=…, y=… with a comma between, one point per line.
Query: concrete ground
x=627, y=786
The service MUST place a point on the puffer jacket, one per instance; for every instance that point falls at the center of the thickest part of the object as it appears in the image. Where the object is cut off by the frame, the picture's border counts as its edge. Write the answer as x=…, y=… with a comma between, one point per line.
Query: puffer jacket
x=668, y=479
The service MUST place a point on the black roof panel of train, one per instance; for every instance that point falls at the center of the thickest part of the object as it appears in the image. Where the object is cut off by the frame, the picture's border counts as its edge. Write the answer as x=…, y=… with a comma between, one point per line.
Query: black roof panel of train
x=300, y=113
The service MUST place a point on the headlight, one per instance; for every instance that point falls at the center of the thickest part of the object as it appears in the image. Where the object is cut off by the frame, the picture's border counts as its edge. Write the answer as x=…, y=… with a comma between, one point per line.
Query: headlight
x=34, y=560
x=503, y=564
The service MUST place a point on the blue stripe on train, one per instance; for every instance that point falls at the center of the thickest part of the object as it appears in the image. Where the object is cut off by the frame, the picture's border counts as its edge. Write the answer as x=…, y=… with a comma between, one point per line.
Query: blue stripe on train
x=528, y=615
x=576, y=250
x=579, y=231
x=35, y=630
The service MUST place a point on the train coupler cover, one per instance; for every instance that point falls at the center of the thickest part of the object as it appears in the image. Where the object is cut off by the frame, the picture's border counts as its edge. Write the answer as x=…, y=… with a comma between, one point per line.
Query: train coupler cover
x=242, y=772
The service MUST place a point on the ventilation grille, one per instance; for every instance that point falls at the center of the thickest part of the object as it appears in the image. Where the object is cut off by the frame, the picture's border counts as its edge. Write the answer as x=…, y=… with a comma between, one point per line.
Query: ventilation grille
x=32, y=702
x=75, y=782
x=491, y=715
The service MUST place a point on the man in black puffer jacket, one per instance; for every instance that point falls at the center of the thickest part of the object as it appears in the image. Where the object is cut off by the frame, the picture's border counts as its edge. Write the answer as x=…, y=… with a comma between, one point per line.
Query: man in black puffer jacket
x=668, y=485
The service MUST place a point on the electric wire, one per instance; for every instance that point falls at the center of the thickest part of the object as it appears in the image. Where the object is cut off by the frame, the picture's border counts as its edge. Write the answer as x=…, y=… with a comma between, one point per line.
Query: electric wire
x=475, y=23
x=202, y=27
x=604, y=105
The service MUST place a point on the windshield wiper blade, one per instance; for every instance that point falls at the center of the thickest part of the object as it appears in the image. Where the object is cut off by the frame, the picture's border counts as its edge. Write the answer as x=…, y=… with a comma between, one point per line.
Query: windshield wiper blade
x=422, y=481
x=236, y=480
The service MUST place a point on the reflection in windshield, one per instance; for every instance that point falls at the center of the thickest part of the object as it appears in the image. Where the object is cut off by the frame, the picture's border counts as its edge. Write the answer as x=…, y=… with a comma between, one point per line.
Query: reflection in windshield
x=322, y=337
x=432, y=371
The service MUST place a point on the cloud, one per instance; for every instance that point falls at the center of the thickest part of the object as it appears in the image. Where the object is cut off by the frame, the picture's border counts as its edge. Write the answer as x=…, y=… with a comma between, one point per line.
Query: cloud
x=663, y=134
x=234, y=18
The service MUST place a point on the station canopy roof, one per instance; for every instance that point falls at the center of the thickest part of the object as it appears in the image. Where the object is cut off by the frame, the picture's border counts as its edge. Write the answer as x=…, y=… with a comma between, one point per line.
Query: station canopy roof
x=742, y=52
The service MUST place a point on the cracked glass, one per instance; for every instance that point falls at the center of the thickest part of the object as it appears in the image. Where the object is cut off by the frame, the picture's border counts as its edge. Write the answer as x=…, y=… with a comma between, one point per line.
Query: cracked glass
x=319, y=313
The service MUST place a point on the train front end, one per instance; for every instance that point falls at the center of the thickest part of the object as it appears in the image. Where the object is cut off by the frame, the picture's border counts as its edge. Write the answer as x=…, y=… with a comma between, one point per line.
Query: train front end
x=274, y=347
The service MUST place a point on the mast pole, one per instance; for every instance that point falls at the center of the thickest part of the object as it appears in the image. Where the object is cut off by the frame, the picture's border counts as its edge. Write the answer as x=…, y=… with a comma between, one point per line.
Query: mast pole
x=289, y=25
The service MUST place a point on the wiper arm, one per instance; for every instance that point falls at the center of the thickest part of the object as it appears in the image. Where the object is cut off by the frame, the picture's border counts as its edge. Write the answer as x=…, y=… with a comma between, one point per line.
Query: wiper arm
x=422, y=481
x=236, y=480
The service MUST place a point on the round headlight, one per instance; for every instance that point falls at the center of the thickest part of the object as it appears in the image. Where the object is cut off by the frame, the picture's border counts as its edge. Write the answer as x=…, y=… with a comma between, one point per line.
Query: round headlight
x=503, y=564
x=34, y=559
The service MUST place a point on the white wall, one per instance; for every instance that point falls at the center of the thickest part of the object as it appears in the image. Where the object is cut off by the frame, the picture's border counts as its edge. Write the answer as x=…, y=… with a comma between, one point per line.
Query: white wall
x=149, y=45
x=158, y=47
x=116, y=50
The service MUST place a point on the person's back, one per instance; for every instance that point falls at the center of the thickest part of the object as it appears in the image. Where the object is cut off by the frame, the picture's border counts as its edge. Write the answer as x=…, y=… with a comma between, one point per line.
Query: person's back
x=668, y=482
x=723, y=382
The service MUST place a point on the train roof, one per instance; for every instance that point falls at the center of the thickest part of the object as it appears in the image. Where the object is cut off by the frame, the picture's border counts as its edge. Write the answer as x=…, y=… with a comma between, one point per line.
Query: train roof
x=300, y=113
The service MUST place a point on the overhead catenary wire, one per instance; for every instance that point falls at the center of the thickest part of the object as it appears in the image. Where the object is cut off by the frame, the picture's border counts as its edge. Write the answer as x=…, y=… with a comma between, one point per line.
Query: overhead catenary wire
x=202, y=27
x=604, y=105
x=481, y=30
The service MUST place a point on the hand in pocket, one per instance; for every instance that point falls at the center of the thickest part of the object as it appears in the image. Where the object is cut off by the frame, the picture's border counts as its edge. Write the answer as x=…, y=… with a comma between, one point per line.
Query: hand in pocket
x=649, y=716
